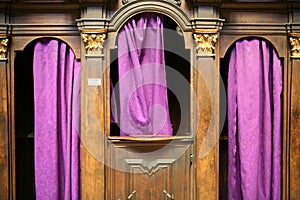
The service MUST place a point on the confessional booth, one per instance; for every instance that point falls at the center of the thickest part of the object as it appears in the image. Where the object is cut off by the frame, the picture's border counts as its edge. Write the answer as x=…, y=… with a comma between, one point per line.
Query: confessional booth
x=149, y=99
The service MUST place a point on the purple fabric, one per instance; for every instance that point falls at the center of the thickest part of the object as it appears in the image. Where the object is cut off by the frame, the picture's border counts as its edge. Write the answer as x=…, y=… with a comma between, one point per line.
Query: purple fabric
x=142, y=77
x=56, y=131
x=254, y=121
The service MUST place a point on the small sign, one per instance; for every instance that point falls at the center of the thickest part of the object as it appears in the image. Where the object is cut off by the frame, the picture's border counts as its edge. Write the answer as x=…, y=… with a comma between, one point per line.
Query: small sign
x=94, y=81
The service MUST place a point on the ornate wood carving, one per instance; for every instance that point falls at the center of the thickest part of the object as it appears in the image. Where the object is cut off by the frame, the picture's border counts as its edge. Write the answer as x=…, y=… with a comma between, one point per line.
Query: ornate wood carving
x=205, y=41
x=3, y=47
x=93, y=41
x=295, y=45
x=151, y=167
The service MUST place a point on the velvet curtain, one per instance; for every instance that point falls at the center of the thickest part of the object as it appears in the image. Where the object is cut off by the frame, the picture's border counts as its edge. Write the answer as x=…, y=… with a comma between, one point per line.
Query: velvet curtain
x=142, y=77
x=254, y=121
x=56, y=110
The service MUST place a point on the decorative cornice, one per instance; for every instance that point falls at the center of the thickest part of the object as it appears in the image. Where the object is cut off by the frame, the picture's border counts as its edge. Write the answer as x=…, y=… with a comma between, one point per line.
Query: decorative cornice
x=92, y=23
x=205, y=41
x=93, y=41
x=207, y=23
x=295, y=45
x=3, y=46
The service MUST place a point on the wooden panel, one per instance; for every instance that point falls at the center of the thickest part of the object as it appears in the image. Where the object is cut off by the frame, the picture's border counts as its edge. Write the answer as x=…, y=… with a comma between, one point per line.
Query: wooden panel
x=41, y=18
x=92, y=135
x=295, y=132
x=223, y=161
x=135, y=173
x=255, y=17
x=4, y=182
x=206, y=157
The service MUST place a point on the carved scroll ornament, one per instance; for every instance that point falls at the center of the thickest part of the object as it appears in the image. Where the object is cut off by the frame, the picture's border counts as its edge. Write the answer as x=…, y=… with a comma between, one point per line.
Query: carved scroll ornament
x=3, y=47
x=205, y=41
x=93, y=41
x=295, y=45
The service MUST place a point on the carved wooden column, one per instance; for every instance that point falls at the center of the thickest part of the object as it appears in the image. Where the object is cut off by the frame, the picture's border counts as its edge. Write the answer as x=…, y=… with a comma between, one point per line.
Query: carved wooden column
x=206, y=25
x=294, y=138
x=4, y=137
x=207, y=156
x=92, y=26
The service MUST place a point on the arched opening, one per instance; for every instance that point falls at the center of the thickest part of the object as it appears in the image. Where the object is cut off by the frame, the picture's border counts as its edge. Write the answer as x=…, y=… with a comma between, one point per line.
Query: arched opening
x=42, y=111
x=267, y=59
x=177, y=61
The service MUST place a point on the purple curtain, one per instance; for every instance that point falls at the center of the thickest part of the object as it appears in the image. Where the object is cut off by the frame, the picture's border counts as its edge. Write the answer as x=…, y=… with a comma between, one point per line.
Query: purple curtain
x=56, y=110
x=142, y=77
x=254, y=121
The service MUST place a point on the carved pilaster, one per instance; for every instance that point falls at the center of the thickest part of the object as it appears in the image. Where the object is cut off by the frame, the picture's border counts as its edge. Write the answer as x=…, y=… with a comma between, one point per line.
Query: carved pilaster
x=295, y=45
x=3, y=47
x=93, y=41
x=205, y=41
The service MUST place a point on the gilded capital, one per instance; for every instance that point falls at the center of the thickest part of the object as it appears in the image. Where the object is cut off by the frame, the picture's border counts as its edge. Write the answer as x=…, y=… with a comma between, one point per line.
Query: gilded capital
x=205, y=41
x=93, y=41
x=295, y=45
x=3, y=47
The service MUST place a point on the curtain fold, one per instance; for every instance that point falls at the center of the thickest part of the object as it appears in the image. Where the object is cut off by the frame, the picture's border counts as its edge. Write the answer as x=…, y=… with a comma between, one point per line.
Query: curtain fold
x=142, y=77
x=56, y=109
x=254, y=121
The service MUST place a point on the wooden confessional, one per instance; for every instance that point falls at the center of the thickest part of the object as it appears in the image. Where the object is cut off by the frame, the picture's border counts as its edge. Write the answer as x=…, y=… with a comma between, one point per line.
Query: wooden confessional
x=191, y=164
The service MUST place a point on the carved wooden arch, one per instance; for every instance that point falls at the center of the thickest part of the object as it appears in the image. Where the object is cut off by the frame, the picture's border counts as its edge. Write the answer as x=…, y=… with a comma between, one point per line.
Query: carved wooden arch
x=163, y=7
x=279, y=43
x=74, y=45
x=276, y=41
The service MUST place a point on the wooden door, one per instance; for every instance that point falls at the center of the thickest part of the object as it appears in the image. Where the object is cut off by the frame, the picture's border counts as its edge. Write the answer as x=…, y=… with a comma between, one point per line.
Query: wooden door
x=149, y=170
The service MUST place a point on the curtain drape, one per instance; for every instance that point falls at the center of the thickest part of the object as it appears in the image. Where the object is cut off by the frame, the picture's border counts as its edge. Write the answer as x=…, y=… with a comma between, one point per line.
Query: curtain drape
x=142, y=77
x=254, y=121
x=56, y=113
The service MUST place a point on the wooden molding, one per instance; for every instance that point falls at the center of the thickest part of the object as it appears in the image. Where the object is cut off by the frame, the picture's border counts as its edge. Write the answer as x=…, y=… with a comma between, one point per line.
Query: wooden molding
x=168, y=7
x=176, y=2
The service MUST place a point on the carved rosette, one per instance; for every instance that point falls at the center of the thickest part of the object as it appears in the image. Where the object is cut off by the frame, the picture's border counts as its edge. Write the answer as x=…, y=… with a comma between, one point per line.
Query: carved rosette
x=93, y=41
x=295, y=45
x=3, y=47
x=205, y=41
